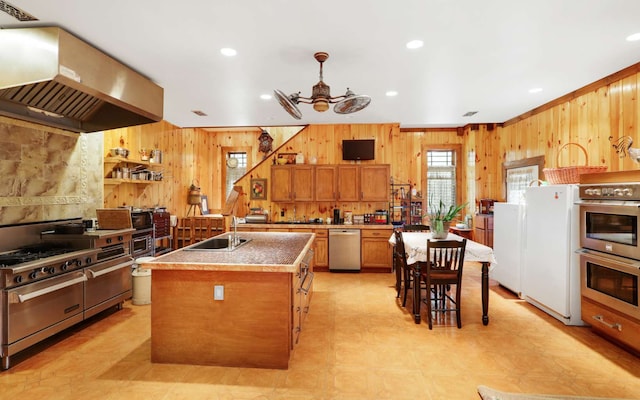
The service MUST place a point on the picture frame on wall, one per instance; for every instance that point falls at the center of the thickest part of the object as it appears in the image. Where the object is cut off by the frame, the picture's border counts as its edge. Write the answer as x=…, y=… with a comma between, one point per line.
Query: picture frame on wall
x=258, y=189
x=204, y=204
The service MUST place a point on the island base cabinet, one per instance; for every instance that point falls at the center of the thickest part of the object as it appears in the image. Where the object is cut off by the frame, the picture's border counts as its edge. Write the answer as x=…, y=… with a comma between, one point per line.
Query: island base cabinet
x=250, y=328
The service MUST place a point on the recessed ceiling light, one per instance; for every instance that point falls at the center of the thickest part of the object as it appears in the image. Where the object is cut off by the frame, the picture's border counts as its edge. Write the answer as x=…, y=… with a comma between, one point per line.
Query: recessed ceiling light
x=535, y=90
x=391, y=93
x=265, y=96
x=199, y=113
x=415, y=44
x=229, y=52
x=634, y=37
x=469, y=113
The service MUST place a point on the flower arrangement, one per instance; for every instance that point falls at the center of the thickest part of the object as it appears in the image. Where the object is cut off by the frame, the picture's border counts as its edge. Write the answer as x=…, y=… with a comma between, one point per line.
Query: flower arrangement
x=439, y=214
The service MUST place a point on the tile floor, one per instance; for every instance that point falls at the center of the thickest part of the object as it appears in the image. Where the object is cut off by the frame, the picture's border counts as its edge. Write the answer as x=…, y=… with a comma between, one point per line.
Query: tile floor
x=358, y=343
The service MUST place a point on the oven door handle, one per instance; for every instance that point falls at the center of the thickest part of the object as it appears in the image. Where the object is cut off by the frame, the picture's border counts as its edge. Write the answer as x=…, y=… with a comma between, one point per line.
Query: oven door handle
x=26, y=297
x=94, y=274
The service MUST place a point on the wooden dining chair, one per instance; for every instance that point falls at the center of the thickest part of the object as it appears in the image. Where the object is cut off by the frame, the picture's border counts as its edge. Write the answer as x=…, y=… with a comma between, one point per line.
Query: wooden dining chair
x=416, y=228
x=443, y=269
x=407, y=271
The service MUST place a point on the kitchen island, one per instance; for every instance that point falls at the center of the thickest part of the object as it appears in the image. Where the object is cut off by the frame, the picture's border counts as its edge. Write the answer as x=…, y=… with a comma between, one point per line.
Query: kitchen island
x=239, y=308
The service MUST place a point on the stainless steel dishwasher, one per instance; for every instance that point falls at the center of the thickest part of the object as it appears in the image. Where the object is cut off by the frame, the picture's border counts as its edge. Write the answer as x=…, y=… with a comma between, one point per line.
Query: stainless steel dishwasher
x=344, y=249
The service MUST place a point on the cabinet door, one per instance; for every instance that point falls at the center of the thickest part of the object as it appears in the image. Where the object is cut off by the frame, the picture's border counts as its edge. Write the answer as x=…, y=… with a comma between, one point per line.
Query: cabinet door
x=349, y=183
x=303, y=183
x=326, y=183
x=322, y=248
x=281, y=183
x=374, y=182
x=375, y=249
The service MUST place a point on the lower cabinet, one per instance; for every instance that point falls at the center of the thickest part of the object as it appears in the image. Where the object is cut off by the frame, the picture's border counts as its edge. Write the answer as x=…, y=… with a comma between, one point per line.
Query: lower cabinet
x=483, y=233
x=376, y=252
x=322, y=248
x=612, y=324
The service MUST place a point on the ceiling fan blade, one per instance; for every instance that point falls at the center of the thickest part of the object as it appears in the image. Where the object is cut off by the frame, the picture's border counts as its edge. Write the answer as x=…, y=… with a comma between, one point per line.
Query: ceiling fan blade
x=352, y=104
x=288, y=104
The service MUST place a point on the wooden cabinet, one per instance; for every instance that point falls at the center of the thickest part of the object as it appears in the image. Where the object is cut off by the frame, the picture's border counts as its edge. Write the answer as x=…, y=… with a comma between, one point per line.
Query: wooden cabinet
x=190, y=230
x=344, y=182
x=326, y=181
x=322, y=249
x=374, y=182
x=281, y=183
x=483, y=229
x=303, y=179
x=348, y=183
x=292, y=183
x=376, y=252
x=616, y=326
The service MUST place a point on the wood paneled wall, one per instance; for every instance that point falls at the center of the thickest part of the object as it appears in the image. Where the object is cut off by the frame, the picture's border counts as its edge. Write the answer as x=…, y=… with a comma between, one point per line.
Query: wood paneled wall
x=587, y=116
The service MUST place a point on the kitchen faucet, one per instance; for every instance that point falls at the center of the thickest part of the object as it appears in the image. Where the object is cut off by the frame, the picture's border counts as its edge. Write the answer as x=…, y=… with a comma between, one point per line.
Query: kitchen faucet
x=234, y=225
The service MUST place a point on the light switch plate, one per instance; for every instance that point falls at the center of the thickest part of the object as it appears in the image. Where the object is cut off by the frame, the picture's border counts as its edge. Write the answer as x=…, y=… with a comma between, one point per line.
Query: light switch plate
x=218, y=292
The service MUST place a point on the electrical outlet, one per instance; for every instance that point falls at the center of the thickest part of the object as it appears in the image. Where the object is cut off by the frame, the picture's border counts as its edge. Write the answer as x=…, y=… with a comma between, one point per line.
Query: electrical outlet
x=218, y=292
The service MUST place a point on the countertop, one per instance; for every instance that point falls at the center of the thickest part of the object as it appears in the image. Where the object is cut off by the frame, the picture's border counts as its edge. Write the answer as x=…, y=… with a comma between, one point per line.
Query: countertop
x=266, y=252
x=317, y=226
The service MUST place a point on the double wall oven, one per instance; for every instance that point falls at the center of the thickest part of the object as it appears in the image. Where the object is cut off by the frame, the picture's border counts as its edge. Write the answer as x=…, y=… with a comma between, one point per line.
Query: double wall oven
x=610, y=259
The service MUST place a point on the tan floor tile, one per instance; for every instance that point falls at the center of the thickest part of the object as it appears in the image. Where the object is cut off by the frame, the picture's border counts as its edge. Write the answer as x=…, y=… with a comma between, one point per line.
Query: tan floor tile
x=358, y=342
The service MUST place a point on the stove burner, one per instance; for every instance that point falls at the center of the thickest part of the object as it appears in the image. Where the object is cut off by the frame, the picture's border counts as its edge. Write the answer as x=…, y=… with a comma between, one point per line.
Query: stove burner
x=31, y=253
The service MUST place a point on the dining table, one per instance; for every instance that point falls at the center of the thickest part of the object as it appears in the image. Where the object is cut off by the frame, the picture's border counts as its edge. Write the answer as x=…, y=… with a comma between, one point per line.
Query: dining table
x=415, y=245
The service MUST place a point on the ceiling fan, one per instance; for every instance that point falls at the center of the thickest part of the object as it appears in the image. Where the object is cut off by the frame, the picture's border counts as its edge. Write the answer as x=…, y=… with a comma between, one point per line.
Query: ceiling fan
x=321, y=97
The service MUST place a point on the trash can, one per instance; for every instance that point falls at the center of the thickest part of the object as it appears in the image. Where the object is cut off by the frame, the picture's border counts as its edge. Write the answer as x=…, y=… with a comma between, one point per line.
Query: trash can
x=141, y=283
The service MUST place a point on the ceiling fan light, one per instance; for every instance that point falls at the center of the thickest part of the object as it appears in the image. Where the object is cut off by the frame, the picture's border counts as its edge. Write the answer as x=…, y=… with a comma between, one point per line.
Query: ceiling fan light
x=321, y=105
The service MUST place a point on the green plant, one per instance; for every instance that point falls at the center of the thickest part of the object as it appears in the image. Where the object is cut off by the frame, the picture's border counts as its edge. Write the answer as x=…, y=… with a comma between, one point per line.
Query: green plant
x=440, y=212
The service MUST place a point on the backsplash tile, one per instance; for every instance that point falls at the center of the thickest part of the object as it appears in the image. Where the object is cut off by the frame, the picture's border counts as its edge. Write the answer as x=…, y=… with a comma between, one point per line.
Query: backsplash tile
x=48, y=176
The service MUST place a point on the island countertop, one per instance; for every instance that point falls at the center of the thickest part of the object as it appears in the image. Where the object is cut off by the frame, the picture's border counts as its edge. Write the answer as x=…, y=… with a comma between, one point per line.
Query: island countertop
x=265, y=252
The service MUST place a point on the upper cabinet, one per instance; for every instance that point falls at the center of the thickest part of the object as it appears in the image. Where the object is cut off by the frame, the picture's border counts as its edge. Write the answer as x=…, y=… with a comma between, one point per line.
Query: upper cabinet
x=292, y=183
x=374, y=182
x=326, y=180
x=348, y=183
x=344, y=182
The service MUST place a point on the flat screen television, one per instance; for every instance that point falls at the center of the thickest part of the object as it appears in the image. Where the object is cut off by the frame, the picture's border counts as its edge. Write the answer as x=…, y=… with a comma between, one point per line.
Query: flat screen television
x=358, y=149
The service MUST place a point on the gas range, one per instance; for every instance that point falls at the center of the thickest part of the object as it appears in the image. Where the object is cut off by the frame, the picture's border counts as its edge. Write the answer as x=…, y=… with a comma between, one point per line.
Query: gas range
x=34, y=263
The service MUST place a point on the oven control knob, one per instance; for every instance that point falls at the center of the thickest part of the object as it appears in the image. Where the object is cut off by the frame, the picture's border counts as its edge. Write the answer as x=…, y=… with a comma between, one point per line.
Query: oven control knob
x=33, y=275
x=17, y=279
x=64, y=266
x=628, y=192
x=48, y=270
x=88, y=260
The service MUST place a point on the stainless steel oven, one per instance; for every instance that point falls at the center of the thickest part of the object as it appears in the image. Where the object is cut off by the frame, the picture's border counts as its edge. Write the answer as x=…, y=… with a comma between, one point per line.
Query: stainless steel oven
x=610, y=218
x=611, y=281
x=142, y=243
x=108, y=283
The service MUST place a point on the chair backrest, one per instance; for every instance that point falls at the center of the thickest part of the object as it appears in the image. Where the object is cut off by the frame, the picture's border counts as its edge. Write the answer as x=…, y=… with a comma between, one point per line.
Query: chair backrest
x=399, y=251
x=416, y=228
x=445, y=255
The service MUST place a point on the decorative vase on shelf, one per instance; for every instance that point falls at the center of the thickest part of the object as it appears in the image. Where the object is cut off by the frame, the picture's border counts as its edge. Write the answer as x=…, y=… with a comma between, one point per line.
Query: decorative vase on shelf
x=440, y=229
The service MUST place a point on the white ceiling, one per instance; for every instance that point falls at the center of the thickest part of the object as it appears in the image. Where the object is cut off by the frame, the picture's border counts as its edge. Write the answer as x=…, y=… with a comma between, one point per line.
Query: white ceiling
x=478, y=55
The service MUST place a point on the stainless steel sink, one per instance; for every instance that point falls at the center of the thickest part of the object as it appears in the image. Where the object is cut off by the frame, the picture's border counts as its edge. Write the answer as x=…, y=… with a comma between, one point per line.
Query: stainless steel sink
x=217, y=244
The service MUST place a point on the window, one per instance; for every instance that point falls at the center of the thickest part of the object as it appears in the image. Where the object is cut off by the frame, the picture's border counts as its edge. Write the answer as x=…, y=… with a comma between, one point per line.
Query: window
x=236, y=167
x=441, y=177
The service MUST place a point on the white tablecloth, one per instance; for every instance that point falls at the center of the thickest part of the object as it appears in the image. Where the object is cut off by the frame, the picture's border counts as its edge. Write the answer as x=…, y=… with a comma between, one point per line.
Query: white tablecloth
x=415, y=244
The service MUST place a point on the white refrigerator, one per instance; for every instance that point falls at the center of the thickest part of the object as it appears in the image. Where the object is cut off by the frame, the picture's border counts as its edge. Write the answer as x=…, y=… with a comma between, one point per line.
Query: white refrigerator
x=508, y=232
x=551, y=275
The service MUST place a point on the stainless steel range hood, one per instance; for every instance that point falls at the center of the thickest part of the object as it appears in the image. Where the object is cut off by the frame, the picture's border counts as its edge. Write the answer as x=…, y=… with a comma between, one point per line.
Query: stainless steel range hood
x=51, y=77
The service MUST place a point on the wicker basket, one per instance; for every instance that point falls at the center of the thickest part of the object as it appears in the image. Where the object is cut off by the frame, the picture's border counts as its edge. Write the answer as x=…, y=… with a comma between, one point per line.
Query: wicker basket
x=564, y=175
